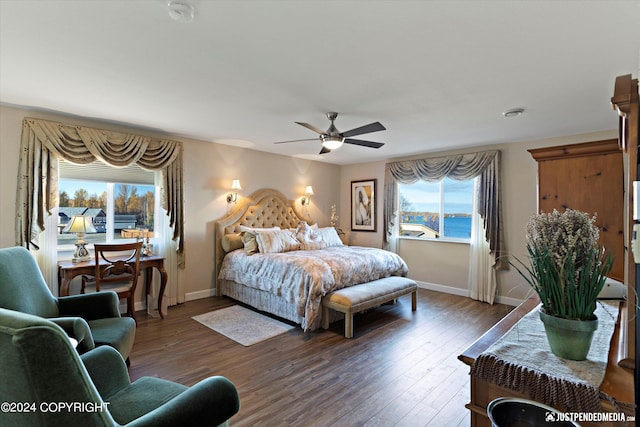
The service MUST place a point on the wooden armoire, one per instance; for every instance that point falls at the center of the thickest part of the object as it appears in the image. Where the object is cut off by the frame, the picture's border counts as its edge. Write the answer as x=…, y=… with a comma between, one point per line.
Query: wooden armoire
x=588, y=177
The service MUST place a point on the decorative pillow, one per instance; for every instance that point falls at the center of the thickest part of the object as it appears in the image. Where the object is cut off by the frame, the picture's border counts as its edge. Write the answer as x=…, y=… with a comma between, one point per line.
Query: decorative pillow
x=231, y=242
x=249, y=242
x=248, y=236
x=277, y=241
x=329, y=236
x=305, y=233
x=319, y=239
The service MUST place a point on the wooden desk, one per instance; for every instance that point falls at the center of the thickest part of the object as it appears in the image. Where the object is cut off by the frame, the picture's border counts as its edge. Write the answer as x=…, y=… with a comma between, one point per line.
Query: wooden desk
x=618, y=381
x=67, y=270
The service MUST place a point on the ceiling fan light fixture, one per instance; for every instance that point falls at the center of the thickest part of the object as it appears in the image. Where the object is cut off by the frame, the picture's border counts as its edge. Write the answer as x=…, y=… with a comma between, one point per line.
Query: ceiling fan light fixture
x=332, y=142
x=181, y=11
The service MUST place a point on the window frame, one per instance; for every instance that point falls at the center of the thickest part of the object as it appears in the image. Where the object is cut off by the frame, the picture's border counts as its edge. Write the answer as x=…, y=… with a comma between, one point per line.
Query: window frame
x=444, y=239
x=111, y=181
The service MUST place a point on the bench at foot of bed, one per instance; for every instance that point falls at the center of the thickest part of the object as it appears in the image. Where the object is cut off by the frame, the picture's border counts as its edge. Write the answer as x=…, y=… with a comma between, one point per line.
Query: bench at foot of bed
x=361, y=297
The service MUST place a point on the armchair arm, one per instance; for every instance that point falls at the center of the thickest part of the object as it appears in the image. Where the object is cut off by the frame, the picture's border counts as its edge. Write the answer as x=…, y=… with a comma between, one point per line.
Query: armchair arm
x=210, y=402
x=106, y=369
x=96, y=305
x=77, y=328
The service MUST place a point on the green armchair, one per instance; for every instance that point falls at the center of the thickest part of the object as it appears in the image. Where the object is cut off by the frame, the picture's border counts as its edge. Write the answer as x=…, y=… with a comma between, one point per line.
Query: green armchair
x=45, y=382
x=92, y=319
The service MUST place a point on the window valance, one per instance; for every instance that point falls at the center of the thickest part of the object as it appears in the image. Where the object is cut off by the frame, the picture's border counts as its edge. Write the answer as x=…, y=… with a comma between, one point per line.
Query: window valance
x=44, y=142
x=485, y=165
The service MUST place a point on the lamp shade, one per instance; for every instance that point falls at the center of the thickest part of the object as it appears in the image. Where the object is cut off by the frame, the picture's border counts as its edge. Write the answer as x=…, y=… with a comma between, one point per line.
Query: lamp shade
x=235, y=185
x=79, y=224
x=308, y=191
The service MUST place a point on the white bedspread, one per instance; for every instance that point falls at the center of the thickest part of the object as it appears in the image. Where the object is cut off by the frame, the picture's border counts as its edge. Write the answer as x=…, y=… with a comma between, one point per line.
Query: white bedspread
x=304, y=277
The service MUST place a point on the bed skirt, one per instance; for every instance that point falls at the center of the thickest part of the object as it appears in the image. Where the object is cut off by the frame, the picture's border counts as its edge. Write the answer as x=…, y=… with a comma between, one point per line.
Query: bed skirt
x=269, y=303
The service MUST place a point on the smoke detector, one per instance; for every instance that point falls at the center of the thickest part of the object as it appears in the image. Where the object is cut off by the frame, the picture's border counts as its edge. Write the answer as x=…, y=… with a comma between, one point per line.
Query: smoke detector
x=514, y=112
x=181, y=11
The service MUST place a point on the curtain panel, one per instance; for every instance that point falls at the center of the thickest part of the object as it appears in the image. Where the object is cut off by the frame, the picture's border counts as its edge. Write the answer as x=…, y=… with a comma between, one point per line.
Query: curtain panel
x=485, y=165
x=44, y=142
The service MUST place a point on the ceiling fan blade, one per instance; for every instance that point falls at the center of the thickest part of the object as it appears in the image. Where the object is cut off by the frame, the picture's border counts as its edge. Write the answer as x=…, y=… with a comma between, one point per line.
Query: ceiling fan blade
x=324, y=150
x=371, y=127
x=370, y=144
x=296, y=140
x=313, y=128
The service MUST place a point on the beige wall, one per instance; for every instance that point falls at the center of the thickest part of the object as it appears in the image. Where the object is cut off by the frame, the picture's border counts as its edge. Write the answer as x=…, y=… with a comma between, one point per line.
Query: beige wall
x=445, y=266
x=208, y=171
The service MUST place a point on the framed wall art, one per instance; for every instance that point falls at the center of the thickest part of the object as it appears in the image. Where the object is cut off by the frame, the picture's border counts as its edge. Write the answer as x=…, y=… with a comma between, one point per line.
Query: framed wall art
x=363, y=205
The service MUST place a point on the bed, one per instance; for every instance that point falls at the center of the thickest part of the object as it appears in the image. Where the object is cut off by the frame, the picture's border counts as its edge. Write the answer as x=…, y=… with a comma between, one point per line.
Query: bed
x=290, y=283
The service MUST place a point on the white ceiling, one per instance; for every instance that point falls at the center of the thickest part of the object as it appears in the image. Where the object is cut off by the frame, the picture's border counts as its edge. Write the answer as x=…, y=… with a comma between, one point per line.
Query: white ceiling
x=437, y=74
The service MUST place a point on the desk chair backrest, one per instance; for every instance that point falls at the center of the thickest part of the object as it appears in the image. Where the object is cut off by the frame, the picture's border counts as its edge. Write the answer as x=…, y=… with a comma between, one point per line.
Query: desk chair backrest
x=117, y=263
x=22, y=287
x=117, y=269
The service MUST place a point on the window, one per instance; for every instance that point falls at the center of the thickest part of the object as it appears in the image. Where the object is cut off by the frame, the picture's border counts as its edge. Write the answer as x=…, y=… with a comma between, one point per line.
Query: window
x=436, y=209
x=115, y=199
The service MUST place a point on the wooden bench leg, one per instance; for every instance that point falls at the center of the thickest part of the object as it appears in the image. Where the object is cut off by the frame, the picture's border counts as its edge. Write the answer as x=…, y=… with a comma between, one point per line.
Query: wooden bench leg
x=414, y=300
x=348, y=325
x=325, y=317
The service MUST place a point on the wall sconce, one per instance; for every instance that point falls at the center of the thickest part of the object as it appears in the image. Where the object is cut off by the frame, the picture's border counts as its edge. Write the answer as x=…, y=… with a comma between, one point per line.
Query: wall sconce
x=233, y=196
x=308, y=192
x=80, y=225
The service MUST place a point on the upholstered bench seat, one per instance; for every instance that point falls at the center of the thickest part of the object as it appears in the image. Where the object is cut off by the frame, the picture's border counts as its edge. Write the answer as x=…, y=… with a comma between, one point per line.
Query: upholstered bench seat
x=361, y=297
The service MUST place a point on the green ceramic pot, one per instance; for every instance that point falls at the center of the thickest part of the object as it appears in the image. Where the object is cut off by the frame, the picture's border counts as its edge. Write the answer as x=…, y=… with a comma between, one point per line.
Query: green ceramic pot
x=569, y=339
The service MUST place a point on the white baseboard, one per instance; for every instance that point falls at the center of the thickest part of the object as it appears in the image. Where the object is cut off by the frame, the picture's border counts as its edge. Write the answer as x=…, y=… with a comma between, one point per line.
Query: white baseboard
x=200, y=294
x=465, y=293
x=141, y=305
x=443, y=288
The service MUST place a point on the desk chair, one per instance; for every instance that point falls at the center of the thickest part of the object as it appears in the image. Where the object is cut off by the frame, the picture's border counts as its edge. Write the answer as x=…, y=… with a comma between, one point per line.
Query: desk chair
x=117, y=270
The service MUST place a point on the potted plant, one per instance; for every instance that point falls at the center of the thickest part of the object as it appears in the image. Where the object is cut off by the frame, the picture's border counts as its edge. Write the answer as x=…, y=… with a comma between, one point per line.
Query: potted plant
x=567, y=270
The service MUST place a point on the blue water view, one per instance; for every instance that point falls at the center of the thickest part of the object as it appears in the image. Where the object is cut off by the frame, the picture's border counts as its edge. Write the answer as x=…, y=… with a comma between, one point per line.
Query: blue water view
x=457, y=226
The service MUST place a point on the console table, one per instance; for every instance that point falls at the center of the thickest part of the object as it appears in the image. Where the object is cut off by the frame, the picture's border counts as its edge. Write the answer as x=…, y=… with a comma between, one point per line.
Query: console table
x=618, y=381
x=67, y=270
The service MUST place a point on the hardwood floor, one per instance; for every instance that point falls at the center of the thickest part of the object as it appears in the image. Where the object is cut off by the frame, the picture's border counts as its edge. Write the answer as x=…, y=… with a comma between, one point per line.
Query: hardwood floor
x=400, y=368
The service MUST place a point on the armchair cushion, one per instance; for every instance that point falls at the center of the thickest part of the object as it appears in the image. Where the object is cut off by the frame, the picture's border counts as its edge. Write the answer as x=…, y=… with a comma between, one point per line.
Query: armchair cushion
x=117, y=332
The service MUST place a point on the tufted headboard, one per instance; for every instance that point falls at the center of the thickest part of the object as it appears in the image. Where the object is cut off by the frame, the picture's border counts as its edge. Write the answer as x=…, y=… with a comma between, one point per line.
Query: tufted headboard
x=263, y=208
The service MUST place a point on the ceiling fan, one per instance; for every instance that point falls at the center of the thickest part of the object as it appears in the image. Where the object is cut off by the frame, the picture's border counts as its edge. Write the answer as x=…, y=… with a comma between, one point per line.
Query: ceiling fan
x=332, y=138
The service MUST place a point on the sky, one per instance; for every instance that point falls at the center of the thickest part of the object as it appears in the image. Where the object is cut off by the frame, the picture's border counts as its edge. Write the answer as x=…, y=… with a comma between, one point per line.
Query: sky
x=71, y=185
x=425, y=196
x=92, y=187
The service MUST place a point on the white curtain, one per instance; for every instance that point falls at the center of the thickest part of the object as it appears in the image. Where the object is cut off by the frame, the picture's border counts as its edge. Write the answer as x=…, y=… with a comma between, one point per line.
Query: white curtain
x=47, y=256
x=482, y=275
x=164, y=245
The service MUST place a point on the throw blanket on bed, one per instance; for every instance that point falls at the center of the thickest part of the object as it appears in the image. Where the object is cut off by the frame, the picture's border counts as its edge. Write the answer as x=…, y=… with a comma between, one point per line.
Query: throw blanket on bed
x=304, y=277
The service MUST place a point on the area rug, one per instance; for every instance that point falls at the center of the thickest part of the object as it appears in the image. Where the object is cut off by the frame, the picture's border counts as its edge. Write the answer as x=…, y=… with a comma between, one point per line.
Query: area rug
x=242, y=325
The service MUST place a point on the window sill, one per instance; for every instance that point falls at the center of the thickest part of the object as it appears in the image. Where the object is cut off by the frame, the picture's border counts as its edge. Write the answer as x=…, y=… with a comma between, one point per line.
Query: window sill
x=441, y=239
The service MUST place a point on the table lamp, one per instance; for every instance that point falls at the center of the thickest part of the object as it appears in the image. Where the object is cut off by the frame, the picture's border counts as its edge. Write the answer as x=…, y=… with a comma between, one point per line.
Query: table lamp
x=138, y=234
x=81, y=225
